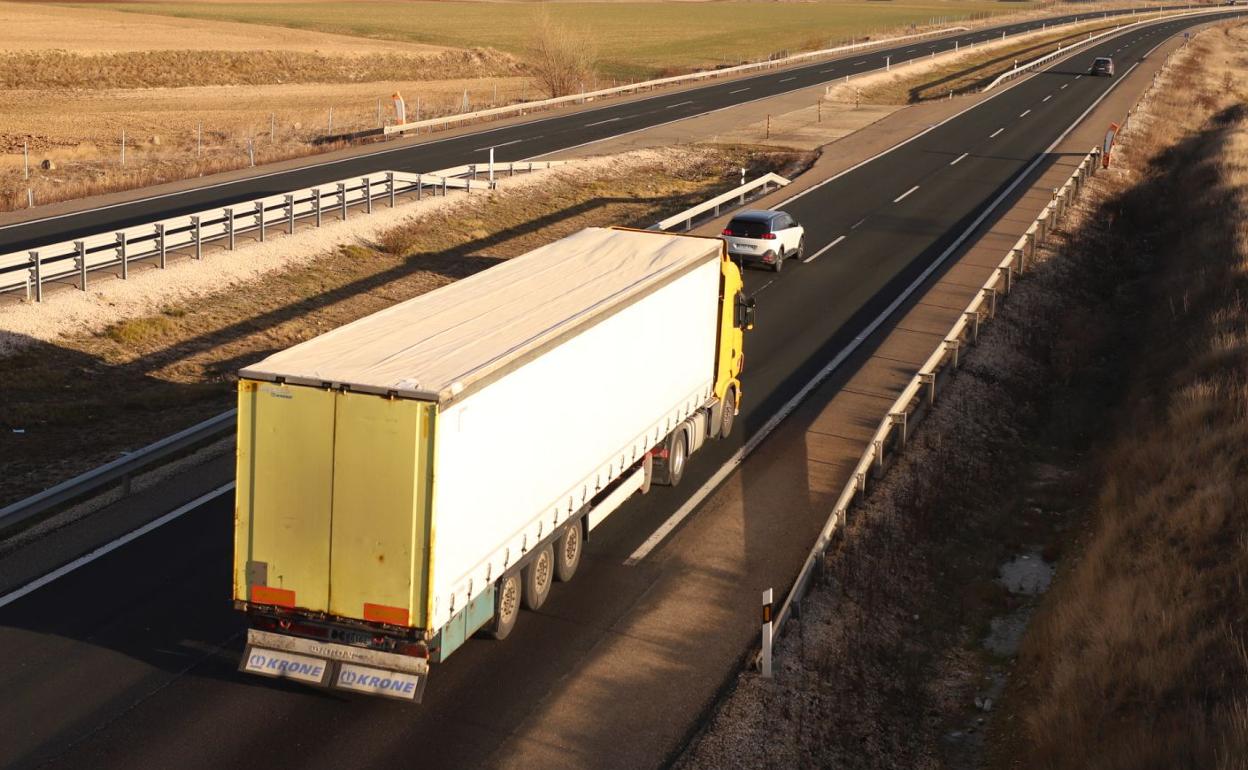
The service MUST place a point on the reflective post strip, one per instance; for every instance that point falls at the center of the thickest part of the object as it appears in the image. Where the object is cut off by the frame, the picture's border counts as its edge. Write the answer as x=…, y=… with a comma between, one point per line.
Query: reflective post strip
x=36, y=271
x=121, y=252
x=80, y=248
x=765, y=659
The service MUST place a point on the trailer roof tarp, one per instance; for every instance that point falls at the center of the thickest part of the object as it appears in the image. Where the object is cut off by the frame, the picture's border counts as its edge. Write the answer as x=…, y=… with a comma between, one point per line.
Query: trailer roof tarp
x=438, y=346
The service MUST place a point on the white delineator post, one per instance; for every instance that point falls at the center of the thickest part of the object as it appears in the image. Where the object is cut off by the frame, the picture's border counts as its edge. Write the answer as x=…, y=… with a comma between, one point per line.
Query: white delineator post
x=491, y=167
x=765, y=658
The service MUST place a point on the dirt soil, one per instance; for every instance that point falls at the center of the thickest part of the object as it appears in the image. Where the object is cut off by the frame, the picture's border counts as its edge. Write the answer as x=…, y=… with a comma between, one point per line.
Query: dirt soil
x=106, y=388
x=915, y=649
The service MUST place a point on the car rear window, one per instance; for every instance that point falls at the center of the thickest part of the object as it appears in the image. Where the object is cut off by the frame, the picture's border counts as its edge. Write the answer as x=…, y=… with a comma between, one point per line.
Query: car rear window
x=747, y=229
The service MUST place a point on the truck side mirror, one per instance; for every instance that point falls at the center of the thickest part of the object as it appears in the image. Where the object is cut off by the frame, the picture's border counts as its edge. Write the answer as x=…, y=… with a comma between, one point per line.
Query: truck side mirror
x=745, y=308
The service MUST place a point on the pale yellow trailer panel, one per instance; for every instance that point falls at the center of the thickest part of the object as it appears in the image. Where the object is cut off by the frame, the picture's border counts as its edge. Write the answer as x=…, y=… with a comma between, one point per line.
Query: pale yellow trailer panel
x=333, y=502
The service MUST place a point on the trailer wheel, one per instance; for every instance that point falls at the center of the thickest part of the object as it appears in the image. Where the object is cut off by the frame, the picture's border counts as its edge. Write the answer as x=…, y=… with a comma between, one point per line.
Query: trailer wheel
x=728, y=413
x=537, y=576
x=672, y=468
x=506, y=607
x=568, y=547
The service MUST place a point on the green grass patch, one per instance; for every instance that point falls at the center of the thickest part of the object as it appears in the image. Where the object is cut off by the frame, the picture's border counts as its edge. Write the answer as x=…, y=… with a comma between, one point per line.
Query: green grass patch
x=633, y=39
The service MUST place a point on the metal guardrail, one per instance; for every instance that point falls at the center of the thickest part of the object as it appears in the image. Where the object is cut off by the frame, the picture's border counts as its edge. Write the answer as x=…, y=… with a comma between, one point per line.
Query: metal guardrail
x=1022, y=69
x=920, y=393
x=122, y=470
x=735, y=197
x=445, y=121
x=75, y=259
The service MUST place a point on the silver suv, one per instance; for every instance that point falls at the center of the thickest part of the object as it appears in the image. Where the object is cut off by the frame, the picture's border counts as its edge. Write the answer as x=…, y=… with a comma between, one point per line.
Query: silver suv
x=1102, y=65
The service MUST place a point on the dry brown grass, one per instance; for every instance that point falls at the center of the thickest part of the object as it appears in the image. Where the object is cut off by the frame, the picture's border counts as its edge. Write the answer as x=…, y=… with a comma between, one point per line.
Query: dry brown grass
x=178, y=69
x=1138, y=656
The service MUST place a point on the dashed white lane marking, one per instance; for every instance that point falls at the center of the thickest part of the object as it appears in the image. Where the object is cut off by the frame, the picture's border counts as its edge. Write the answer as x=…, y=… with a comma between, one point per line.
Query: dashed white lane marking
x=679, y=104
x=904, y=195
x=1045, y=99
x=820, y=252
x=496, y=146
x=601, y=122
x=785, y=80
x=1078, y=76
x=993, y=135
x=956, y=160
x=859, y=63
x=855, y=225
x=1025, y=113
x=1065, y=86
x=738, y=91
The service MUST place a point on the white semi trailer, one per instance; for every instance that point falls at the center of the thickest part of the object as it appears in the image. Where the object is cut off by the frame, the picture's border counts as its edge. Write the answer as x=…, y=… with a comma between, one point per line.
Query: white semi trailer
x=416, y=476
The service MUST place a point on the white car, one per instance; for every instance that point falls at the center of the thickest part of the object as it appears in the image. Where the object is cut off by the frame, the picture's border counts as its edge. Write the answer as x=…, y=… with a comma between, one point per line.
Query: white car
x=768, y=237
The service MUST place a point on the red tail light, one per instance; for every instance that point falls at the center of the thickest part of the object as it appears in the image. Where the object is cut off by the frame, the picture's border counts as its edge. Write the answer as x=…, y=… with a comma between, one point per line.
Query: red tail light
x=727, y=231
x=769, y=236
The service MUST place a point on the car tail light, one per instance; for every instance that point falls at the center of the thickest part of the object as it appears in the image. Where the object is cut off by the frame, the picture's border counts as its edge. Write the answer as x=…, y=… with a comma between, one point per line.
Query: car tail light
x=727, y=231
x=769, y=236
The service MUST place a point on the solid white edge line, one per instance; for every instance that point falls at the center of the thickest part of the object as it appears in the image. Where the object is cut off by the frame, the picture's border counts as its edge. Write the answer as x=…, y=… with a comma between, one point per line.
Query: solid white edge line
x=820, y=252
x=958, y=159
x=64, y=570
x=904, y=195
x=660, y=534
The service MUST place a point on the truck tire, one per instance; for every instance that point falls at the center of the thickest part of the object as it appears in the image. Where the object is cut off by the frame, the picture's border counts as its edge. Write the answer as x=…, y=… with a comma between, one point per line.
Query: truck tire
x=728, y=413
x=537, y=576
x=671, y=469
x=506, y=606
x=568, y=547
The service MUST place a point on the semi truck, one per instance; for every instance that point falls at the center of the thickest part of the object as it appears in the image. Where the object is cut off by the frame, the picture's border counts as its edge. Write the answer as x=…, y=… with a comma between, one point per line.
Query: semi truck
x=417, y=476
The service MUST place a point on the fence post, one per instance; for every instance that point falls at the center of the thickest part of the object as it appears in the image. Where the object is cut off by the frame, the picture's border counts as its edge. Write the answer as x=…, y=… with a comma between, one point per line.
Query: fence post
x=199, y=241
x=160, y=243
x=121, y=252
x=390, y=187
x=768, y=634
x=260, y=218
x=229, y=226
x=80, y=248
x=366, y=185
x=342, y=195
x=36, y=271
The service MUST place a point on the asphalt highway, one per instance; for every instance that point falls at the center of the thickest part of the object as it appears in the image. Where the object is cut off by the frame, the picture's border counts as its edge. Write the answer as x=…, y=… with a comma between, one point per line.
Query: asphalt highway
x=130, y=661
x=529, y=139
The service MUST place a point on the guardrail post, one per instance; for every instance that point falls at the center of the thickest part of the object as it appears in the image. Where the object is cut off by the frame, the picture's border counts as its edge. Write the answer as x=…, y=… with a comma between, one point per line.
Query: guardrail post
x=929, y=379
x=992, y=302
x=316, y=205
x=390, y=187
x=199, y=241
x=36, y=273
x=443, y=187
x=80, y=258
x=229, y=227
x=899, y=420
x=160, y=244
x=366, y=186
x=474, y=173
x=953, y=346
x=1006, y=275
x=511, y=168
x=342, y=195
x=260, y=218
x=121, y=253
x=879, y=458
x=973, y=317
x=768, y=634
x=420, y=186
x=290, y=214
